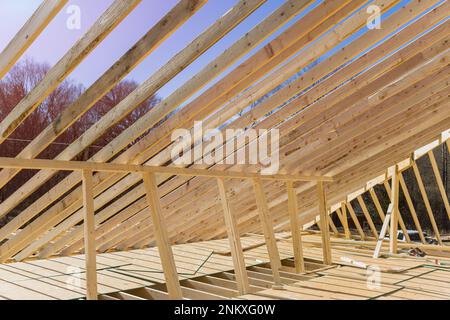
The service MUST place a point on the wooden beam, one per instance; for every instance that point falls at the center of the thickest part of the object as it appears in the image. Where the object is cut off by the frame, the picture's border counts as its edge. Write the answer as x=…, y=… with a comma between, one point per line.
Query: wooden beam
x=367, y=215
x=162, y=238
x=272, y=47
x=437, y=176
x=395, y=211
x=326, y=248
x=45, y=13
x=404, y=187
x=355, y=220
x=234, y=240
x=267, y=227
x=383, y=231
x=339, y=215
x=387, y=158
x=295, y=228
x=81, y=49
x=44, y=164
x=89, y=237
x=345, y=220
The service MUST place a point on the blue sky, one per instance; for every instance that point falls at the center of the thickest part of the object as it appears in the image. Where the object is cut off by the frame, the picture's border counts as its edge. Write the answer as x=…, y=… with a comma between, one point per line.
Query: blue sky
x=57, y=39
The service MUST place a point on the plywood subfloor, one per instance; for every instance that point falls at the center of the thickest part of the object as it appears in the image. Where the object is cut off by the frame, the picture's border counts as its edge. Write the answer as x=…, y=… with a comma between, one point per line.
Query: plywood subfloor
x=64, y=277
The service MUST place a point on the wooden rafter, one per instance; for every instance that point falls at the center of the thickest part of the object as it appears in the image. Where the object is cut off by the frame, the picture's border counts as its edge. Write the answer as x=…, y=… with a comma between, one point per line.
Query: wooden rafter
x=43, y=15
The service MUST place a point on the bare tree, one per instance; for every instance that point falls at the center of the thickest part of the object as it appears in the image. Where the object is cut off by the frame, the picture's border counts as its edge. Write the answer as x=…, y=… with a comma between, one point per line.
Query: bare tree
x=22, y=78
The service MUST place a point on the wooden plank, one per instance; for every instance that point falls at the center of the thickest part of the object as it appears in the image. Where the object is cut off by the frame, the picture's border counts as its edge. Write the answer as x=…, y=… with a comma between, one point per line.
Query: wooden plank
x=339, y=283
x=383, y=231
x=423, y=192
x=44, y=164
x=345, y=220
x=437, y=176
x=150, y=294
x=234, y=240
x=295, y=228
x=395, y=210
x=400, y=218
x=367, y=215
x=150, y=86
x=284, y=13
x=45, y=13
x=331, y=224
x=162, y=238
x=355, y=220
x=267, y=227
x=209, y=288
x=89, y=237
x=194, y=294
x=322, y=205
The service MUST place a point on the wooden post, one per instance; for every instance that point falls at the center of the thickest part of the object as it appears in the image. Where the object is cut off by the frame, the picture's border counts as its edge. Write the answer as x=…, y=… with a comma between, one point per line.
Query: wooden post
x=326, y=247
x=295, y=228
x=345, y=220
x=162, y=238
x=395, y=211
x=89, y=236
x=377, y=205
x=355, y=220
x=235, y=241
x=267, y=227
